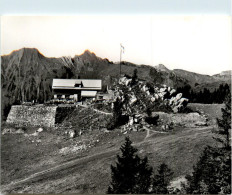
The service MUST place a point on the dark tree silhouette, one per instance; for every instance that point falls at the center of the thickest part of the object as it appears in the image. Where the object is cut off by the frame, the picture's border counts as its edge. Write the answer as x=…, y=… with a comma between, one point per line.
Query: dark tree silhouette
x=117, y=115
x=212, y=173
x=205, y=96
x=204, y=178
x=134, y=77
x=131, y=175
x=225, y=123
x=162, y=180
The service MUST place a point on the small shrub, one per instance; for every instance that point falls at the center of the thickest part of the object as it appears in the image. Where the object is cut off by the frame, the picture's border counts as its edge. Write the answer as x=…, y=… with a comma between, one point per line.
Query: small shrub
x=152, y=120
x=24, y=128
x=123, y=119
x=110, y=126
x=149, y=111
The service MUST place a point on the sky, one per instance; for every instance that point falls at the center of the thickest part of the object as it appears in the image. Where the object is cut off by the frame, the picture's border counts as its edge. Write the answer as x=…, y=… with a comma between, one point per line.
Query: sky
x=200, y=44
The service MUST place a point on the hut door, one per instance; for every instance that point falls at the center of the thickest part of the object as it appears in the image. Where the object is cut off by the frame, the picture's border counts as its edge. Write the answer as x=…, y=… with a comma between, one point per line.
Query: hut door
x=75, y=97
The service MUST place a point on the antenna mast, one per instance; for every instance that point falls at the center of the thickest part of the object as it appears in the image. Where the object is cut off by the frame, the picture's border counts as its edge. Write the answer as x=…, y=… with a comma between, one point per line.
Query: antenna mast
x=121, y=50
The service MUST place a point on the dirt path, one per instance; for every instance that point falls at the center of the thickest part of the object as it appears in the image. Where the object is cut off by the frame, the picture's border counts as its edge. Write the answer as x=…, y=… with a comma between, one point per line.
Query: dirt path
x=96, y=110
x=102, y=112
x=39, y=175
x=148, y=133
x=149, y=130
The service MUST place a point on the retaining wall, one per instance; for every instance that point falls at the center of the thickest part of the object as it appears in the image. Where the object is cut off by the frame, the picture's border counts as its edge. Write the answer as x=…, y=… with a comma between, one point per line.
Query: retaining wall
x=41, y=115
x=182, y=119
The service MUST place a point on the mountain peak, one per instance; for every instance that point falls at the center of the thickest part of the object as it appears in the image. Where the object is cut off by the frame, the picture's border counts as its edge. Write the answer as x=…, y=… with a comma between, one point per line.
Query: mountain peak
x=161, y=67
x=26, y=51
x=88, y=53
x=224, y=73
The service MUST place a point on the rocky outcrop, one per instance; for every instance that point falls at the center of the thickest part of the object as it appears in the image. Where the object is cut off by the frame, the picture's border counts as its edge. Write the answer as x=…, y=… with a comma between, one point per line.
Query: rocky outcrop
x=139, y=99
x=164, y=94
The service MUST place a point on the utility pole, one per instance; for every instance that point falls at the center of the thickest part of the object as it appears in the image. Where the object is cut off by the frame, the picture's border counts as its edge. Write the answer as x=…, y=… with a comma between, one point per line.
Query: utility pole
x=121, y=50
x=120, y=62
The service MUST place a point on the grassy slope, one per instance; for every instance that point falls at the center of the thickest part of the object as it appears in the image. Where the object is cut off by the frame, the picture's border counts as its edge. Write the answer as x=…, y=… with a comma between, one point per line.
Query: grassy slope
x=178, y=149
x=213, y=111
x=89, y=171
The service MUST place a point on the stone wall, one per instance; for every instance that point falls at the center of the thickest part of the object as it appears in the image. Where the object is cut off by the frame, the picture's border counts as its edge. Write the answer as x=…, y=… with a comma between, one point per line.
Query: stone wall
x=181, y=119
x=32, y=115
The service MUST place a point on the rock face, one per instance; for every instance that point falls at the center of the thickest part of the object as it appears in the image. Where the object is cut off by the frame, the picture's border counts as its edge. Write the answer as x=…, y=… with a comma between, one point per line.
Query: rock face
x=46, y=116
x=143, y=94
x=140, y=99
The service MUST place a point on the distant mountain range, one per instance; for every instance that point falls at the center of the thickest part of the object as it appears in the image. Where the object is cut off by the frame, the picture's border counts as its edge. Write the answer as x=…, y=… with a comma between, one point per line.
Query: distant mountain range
x=200, y=81
x=27, y=74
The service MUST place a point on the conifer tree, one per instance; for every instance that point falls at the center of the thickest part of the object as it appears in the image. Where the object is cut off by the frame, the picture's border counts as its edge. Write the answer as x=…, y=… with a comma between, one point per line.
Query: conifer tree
x=162, y=179
x=212, y=173
x=134, y=77
x=225, y=123
x=204, y=179
x=131, y=173
x=117, y=113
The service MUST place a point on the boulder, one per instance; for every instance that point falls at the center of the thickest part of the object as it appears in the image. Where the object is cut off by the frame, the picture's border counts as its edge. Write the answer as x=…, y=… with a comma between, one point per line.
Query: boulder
x=122, y=80
x=172, y=91
x=178, y=108
x=163, y=93
x=183, y=101
x=153, y=99
x=156, y=88
x=19, y=131
x=155, y=115
x=160, y=95
x=131, y=120
x=175, y=109
x=133, y=99
x=7, y=130
x=128, y=81
x=171, y=101
x=165, y=127
x=72, y=133
x=144, y=88
x=137, y=118
x=199, y=123
x=134, y=128
x=163, y=89
x=39, y=130
x=34, y=134
x=156, y=96
x=178, y=96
